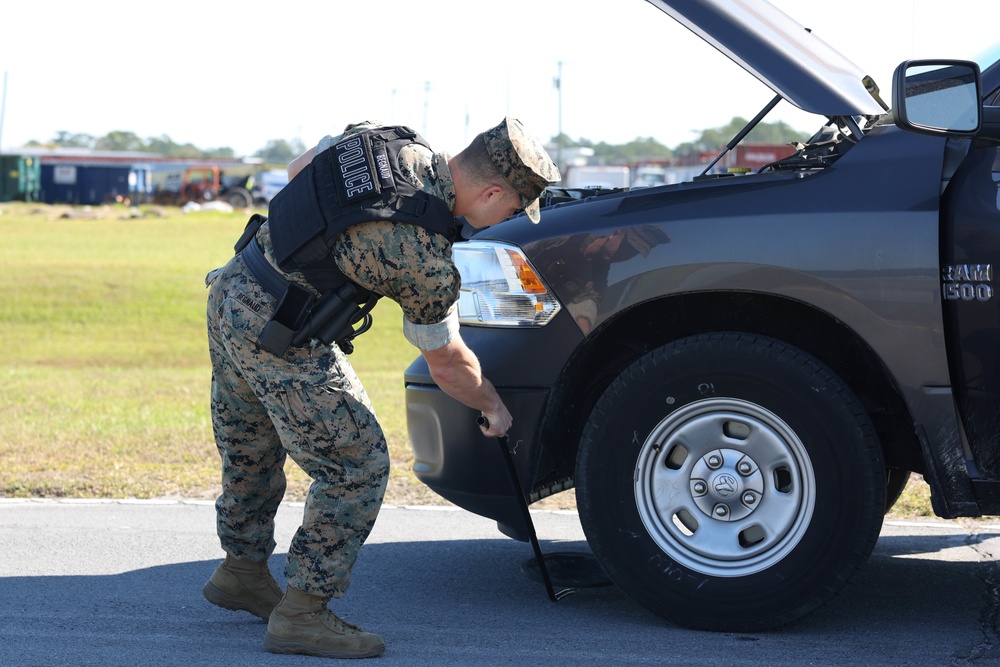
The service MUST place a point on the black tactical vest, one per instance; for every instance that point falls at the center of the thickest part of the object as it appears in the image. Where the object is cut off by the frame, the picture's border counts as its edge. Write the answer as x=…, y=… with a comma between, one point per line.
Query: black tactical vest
x=355, y=180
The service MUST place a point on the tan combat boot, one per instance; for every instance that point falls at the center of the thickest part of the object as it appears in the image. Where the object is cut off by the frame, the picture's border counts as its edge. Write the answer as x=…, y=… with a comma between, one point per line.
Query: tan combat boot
x=243, y=586
x=302, y=624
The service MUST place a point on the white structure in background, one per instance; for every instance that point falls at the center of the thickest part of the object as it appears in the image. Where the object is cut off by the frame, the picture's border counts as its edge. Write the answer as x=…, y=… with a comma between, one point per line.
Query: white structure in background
x=577, y=173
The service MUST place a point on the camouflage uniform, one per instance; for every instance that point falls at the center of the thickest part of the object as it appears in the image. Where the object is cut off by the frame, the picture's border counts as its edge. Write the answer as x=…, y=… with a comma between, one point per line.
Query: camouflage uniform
x=309, y=402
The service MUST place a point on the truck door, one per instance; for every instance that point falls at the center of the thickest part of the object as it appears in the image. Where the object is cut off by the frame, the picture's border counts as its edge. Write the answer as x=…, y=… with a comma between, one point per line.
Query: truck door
x=970, y=257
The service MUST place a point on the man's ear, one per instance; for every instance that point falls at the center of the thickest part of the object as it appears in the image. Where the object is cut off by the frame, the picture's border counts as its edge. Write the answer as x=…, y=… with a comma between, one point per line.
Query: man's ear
x=489, y=192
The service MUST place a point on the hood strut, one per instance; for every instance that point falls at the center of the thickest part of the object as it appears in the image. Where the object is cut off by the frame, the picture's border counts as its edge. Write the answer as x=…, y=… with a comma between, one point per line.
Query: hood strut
x=744, y=132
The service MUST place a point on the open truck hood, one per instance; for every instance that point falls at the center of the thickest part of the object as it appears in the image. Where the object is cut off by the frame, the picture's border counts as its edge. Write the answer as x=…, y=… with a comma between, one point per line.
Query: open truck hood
x=781, y=53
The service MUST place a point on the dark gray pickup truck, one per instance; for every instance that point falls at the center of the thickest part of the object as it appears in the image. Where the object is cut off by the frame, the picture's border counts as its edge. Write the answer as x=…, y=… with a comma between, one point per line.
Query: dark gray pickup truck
x=738, y=373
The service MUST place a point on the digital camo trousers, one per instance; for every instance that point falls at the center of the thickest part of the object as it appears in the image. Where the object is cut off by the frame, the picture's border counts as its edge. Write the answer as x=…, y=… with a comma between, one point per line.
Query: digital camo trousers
x=308, y=404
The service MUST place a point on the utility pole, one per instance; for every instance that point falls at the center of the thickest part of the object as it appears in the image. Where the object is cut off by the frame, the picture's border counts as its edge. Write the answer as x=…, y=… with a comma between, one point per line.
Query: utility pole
x=427, y=93
x=559, y=138
x=3, y=107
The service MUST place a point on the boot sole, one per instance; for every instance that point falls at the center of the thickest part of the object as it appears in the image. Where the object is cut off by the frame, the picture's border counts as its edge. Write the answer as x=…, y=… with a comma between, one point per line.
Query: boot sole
x=226, y=601
x=274, y=644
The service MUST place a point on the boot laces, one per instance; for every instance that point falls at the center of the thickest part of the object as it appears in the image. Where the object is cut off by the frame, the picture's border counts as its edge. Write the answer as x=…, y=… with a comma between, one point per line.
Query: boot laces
x=265, y=579
x=338, y=622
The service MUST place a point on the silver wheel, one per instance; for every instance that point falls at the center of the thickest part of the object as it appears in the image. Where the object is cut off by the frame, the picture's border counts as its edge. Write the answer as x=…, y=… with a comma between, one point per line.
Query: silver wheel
x=729, y=481
x=724, y=487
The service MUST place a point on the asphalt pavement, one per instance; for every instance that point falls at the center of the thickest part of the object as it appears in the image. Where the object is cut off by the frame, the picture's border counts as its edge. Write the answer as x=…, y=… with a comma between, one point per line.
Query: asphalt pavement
x=108, y=583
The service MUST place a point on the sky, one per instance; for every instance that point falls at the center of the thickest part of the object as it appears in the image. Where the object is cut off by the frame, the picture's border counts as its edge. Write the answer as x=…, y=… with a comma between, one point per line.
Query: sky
x=232, y=74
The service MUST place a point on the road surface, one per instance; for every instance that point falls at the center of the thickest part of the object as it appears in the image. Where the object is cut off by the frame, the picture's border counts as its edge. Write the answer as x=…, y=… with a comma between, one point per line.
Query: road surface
x=108, y=583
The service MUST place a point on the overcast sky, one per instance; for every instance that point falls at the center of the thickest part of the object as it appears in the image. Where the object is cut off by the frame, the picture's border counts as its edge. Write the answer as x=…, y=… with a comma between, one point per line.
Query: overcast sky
x=239, y=74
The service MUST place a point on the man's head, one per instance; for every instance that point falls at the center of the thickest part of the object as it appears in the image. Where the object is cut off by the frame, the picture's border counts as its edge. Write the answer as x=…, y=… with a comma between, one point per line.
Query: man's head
x=507, y=170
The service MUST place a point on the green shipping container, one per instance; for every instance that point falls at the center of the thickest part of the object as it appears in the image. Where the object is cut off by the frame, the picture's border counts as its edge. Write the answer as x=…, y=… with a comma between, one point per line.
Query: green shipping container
x=20, y=178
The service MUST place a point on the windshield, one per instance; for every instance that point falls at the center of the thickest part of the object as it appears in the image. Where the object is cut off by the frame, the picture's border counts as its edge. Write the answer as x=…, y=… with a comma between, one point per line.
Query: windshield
x=988, y=56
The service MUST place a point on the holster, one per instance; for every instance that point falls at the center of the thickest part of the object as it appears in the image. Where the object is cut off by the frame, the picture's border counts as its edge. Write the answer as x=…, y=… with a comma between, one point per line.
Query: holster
x=292, y=312
x=300, y=316
x=331, y=318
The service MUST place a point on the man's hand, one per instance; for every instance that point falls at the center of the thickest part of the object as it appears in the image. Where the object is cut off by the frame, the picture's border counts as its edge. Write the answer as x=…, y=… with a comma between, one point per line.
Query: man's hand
x=495, y=425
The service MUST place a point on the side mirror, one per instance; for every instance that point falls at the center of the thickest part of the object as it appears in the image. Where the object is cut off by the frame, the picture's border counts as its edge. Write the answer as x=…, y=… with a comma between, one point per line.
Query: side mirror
x=941, y=97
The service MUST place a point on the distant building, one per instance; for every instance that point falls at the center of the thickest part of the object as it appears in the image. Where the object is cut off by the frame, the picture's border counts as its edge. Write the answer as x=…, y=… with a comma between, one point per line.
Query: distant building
x=84, y=176
x=682, y=168
x=581, y=170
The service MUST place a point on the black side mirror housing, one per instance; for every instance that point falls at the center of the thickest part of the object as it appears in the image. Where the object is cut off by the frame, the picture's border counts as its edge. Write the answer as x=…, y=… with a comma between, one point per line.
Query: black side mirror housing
x=942, y=98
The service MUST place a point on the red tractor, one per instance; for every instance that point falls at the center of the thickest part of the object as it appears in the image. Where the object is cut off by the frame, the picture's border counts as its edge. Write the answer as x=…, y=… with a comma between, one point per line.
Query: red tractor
x=205, y=183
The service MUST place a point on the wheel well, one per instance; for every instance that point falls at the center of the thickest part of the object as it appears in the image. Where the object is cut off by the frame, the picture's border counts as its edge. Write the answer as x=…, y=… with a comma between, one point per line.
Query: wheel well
x=620, y=341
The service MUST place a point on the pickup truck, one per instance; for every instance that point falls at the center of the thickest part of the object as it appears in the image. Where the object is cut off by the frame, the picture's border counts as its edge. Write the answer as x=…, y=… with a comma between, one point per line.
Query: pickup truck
x=738, y=373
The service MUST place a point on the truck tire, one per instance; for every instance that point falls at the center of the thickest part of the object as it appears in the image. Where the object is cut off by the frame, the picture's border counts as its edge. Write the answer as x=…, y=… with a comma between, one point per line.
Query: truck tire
x=730, y=482
x=239, y=198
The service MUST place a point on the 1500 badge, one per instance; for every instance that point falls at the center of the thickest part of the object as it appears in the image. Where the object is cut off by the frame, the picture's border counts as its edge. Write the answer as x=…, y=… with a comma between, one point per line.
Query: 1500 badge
x=967, y=282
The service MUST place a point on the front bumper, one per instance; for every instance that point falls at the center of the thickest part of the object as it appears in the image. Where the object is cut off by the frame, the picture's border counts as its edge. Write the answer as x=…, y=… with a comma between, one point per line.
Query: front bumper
x=455, y=459
x=452, y=456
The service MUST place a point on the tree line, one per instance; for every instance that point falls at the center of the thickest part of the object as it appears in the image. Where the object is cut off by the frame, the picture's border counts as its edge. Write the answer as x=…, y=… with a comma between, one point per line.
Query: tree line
x=281, y=151
x=276, y=151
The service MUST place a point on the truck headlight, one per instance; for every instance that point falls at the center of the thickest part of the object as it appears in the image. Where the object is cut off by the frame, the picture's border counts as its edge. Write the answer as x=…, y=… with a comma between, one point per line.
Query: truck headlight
x=500, y=288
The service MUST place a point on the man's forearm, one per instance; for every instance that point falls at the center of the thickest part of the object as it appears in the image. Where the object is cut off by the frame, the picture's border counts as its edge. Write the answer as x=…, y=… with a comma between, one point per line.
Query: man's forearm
x=456, y=371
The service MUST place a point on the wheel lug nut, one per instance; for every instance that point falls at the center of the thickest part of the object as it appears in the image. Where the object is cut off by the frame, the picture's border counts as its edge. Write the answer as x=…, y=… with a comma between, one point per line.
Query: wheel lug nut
x=749, y=498
x=714, y=461
x=699, y=487
x=721, y=511
x=745, y=468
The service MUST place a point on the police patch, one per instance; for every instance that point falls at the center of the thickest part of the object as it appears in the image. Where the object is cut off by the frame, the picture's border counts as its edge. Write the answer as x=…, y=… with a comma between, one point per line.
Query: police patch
x=354, y=170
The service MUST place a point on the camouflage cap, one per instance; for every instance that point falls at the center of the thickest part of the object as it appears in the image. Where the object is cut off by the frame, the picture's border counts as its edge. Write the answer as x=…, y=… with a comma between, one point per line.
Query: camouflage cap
x=522, y=161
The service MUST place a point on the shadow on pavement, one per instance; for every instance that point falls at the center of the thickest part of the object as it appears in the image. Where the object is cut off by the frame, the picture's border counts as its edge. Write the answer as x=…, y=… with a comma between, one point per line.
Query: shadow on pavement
x=466, y=602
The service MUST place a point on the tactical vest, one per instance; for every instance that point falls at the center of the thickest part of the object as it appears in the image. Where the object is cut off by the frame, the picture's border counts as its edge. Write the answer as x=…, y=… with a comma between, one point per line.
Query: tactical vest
x=356, y=180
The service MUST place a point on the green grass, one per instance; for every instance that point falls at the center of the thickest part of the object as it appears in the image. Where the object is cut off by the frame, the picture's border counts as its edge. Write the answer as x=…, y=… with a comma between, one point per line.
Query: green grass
x=104, y=362
x=104, y=371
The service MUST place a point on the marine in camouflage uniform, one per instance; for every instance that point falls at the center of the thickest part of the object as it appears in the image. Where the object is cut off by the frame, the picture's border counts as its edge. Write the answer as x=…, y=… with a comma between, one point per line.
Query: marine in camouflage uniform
x=310, y=404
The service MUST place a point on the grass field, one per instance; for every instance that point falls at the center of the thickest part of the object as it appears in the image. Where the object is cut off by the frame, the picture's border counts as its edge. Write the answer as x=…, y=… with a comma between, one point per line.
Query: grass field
x=104, y=361
x=104, y=371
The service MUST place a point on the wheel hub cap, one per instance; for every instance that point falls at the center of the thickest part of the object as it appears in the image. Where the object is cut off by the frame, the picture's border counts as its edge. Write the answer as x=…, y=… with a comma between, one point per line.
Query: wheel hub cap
x=726, y=485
